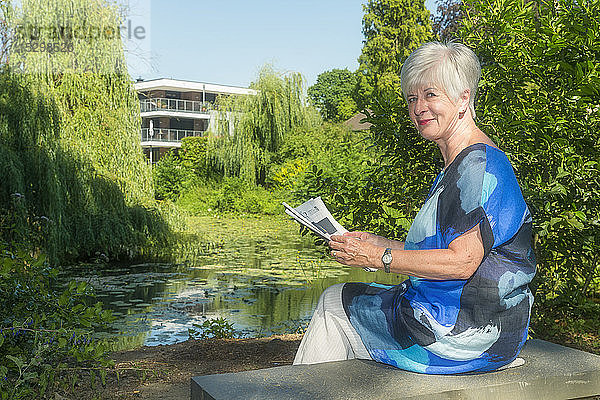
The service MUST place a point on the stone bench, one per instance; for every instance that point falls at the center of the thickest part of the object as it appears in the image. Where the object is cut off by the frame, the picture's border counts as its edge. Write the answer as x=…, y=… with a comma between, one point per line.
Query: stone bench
x=550, y=372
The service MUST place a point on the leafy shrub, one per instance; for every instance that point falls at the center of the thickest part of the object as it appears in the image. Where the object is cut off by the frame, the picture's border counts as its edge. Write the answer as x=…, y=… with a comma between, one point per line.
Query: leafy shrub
x=193, y=155
x=539, y=99
x=259, y=200
x=45, y=333
x=231, y=195
x=217, y=328
x=322, y=161
x=197, y=199
x=170, y=176
x=284, y=175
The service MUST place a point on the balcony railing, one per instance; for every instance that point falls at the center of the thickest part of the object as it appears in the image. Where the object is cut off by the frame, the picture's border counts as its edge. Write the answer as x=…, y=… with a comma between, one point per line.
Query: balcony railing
x=162, y=104
x=168, y=135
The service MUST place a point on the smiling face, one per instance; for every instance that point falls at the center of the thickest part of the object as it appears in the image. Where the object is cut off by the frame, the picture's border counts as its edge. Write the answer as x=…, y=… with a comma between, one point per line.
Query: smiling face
x=434, y=114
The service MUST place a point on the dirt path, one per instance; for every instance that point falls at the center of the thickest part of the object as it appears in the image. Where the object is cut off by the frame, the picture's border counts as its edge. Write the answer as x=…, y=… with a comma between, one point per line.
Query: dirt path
x=164, y=372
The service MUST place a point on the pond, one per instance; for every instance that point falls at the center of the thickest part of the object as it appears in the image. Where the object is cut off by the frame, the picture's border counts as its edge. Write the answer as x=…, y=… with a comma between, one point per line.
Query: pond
x=259, y=274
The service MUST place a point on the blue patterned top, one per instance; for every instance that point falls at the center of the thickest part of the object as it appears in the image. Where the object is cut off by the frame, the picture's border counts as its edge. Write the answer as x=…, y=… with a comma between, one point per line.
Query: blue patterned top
x=455, y=326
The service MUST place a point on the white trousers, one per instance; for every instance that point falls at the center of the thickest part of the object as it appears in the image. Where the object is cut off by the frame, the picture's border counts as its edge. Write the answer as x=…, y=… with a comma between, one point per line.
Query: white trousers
x=330, y=336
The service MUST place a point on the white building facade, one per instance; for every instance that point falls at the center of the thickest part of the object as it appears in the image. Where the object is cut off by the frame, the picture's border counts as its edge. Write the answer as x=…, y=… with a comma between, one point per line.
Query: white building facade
x=173, y=109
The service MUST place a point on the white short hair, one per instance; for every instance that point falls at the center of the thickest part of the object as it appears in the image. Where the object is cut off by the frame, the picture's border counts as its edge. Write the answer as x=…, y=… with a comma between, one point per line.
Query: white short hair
x=451, y=67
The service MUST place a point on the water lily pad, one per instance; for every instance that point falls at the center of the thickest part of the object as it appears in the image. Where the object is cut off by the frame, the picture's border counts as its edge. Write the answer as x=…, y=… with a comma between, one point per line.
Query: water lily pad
x=264, y=281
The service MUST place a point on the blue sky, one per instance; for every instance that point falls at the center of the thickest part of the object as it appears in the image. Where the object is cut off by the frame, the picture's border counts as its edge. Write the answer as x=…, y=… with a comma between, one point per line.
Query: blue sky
x=227, y=41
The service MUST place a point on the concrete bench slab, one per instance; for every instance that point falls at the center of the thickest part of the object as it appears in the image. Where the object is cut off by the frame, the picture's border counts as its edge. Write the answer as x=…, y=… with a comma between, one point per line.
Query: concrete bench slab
x=550, y=372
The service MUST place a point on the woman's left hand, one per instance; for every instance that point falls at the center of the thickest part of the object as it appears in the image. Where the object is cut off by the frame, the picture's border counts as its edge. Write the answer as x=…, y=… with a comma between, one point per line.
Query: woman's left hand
x=352, y=251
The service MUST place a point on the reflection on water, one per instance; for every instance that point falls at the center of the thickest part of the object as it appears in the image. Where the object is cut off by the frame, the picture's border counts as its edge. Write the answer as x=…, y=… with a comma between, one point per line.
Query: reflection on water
x=266, y=281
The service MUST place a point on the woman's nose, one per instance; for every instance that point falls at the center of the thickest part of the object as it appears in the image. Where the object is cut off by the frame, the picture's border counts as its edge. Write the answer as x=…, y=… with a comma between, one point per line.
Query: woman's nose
x=419, y=107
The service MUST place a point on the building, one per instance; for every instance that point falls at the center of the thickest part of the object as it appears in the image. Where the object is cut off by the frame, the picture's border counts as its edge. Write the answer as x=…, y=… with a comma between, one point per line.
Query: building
x=173, y=109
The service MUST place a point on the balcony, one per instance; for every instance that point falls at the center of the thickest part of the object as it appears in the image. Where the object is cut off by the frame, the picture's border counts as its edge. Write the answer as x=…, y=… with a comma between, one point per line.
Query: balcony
x=187, y=106
x=166, y=137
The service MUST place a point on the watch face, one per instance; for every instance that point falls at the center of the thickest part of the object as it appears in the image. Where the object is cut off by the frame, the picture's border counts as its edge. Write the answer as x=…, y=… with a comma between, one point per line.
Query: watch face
x=387, y=258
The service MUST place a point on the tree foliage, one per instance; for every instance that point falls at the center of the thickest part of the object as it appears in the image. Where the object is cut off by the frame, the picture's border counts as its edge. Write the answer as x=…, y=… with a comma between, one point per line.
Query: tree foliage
x=332, y=94
x=170, y=177
x=539, y=100
x=75, y=177
x=391, y=190
x=335, y=165
x=447, y=19
x=45, y=333
x=392, y=30
x=251, y=128
x=180, y=169
x=193, y=155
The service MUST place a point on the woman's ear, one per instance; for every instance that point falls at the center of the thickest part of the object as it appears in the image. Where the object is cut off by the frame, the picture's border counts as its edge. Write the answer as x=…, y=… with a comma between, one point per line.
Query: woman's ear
x=465, y=96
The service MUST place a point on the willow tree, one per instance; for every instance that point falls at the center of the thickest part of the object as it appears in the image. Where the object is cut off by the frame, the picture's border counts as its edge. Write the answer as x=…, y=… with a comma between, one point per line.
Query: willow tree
x=95, y=185
x=251, y=128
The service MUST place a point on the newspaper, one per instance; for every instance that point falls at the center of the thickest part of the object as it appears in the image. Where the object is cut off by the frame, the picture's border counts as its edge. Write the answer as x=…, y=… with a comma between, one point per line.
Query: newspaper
x=314, y=215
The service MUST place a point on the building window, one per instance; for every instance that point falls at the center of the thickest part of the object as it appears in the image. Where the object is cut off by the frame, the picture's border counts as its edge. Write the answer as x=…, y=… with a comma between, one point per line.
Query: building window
x=172, y=95
x=203, y=124
x=210, y=97
x=181, y=123
x=153, y=154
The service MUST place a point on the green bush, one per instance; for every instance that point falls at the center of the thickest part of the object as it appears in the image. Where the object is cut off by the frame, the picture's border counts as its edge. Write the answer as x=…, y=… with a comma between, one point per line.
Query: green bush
x=185, y=178
x=285, y=175
x=46, y=334
x=231, y=195
x=170, y=176
x=322, y=161
x=539, y=100
x=218, y=328
x=193, y=155
x=197, y=199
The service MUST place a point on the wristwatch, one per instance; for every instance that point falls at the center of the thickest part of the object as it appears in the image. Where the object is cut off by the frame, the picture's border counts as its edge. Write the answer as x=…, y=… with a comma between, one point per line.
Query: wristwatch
x=386, y=258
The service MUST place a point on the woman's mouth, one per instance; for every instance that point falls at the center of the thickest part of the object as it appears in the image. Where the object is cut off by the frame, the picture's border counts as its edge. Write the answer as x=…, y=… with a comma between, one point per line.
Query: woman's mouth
x=424, y=121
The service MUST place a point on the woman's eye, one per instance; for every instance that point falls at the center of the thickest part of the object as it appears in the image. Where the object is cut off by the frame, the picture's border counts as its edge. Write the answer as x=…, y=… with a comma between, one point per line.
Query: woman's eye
x=412, y=99
x=430, y=94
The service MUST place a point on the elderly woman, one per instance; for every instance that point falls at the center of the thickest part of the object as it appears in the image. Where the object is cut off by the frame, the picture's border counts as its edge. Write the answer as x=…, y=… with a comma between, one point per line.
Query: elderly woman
x=466, y=306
